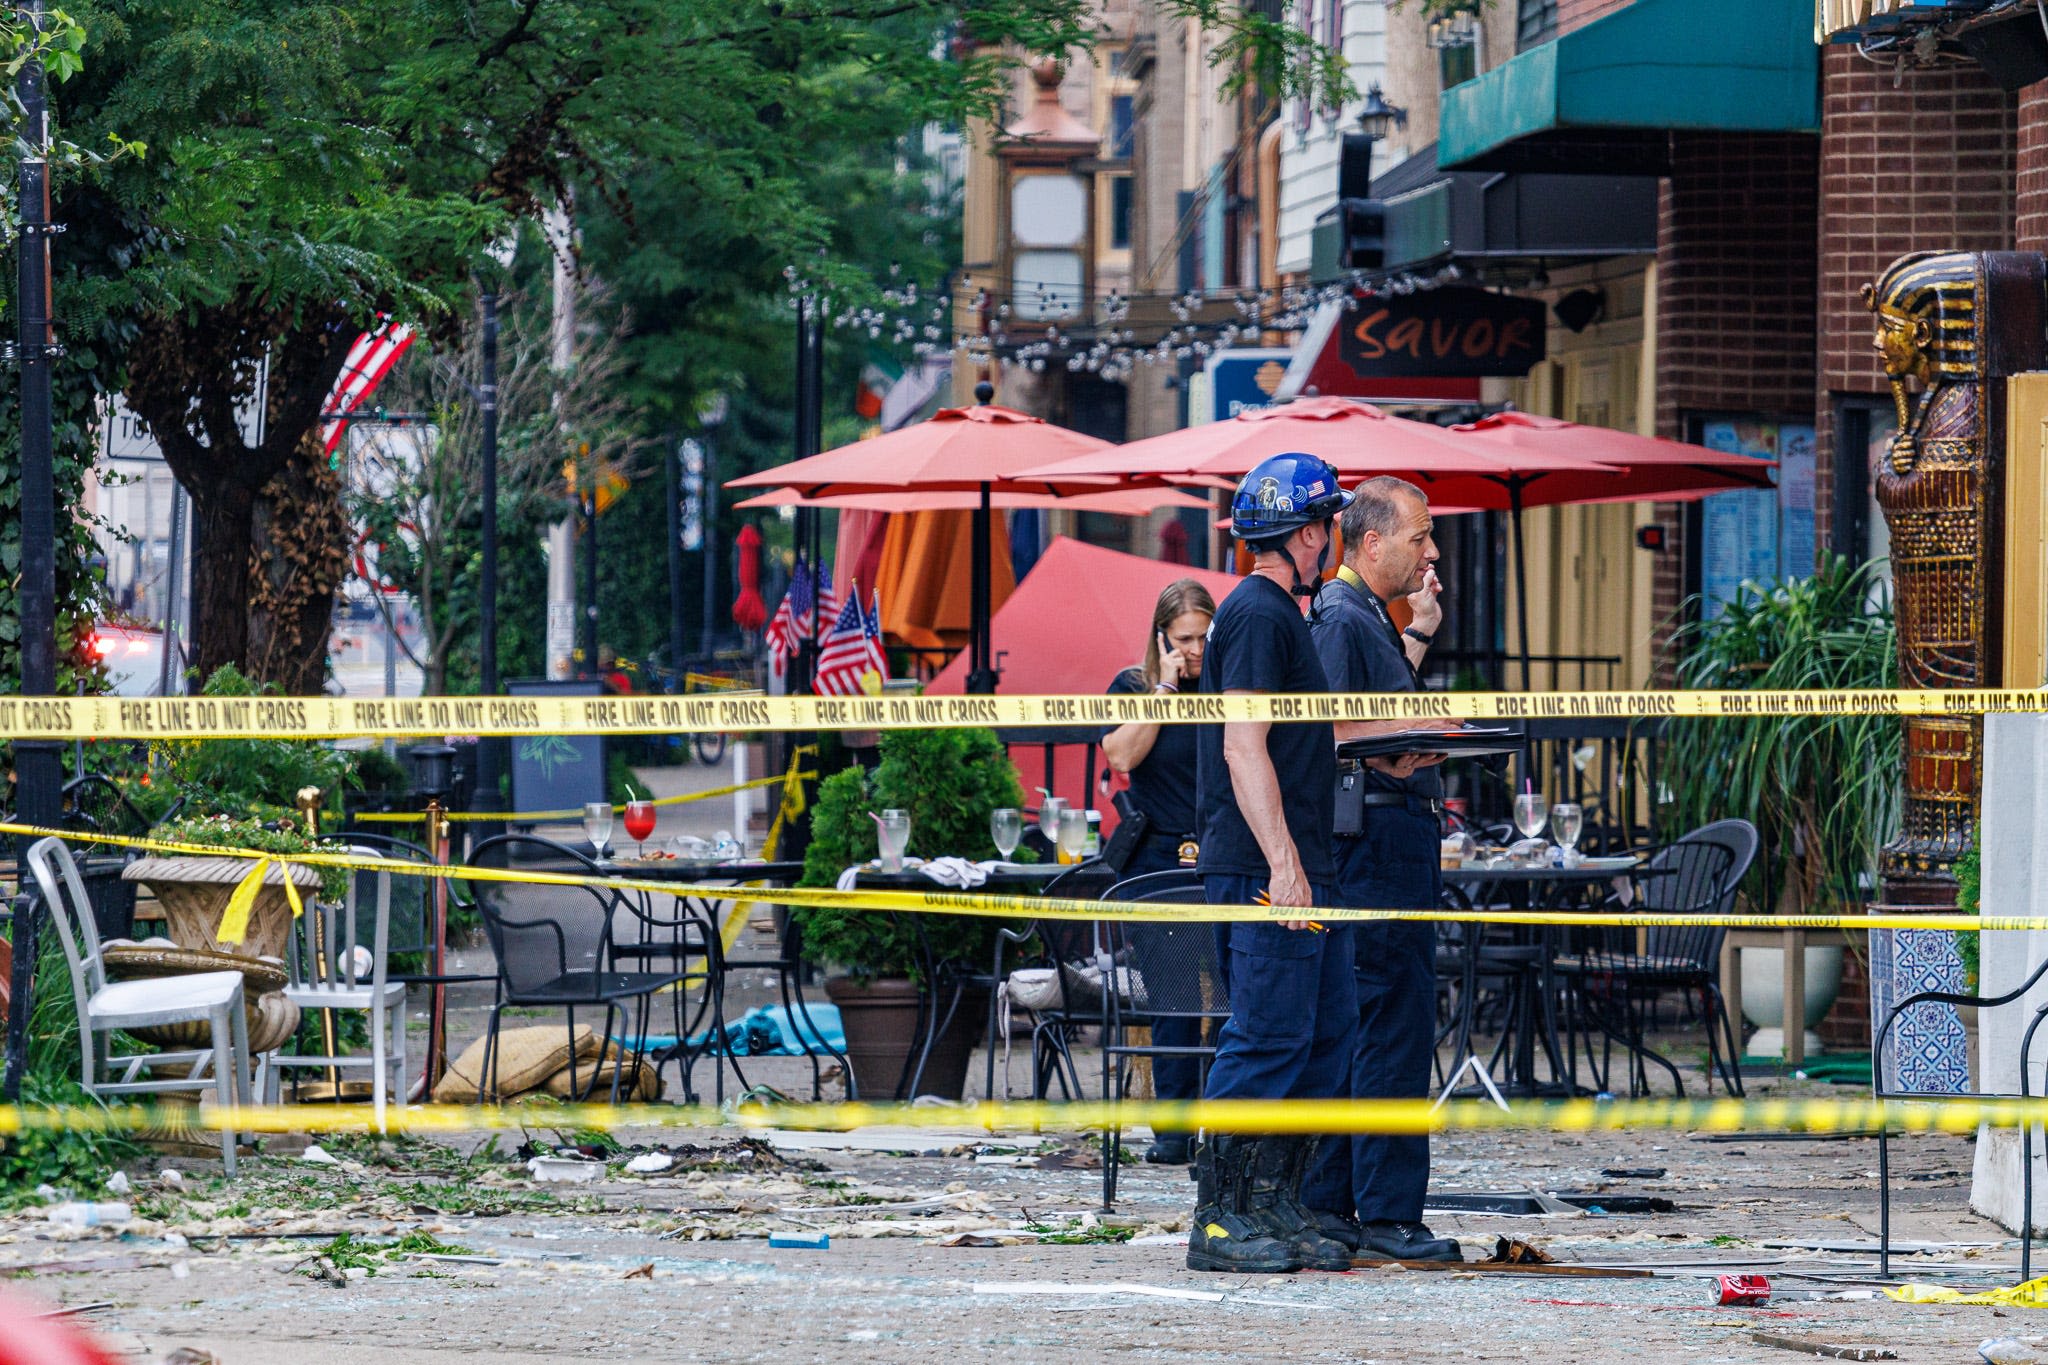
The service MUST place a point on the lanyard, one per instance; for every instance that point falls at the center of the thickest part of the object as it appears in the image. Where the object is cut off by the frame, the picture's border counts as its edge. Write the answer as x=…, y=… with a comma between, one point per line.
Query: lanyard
x=1349, y=578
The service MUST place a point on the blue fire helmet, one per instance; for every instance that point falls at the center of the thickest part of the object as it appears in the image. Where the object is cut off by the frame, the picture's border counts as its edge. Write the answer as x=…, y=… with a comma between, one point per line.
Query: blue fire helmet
x=1282, y=493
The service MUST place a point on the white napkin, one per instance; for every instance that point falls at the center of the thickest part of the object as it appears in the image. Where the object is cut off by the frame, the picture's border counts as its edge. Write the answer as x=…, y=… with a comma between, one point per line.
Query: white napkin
x=955, y=872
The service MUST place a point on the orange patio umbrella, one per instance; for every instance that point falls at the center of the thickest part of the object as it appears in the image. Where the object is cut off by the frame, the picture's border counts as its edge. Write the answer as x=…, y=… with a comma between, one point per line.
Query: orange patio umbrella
x=923, y=558
x=978, y=450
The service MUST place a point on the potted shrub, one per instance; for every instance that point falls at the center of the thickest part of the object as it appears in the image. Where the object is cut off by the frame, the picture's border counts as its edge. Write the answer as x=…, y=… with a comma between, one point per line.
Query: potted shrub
x=949, y=781
x=1823, y=791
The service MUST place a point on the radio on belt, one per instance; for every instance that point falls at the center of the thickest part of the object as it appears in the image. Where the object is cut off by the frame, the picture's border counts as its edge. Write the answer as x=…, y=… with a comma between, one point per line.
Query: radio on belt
x=1743, y=1291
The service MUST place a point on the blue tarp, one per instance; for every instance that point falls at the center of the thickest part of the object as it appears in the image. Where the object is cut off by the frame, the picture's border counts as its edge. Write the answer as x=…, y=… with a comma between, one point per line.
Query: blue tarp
x=771, y=1031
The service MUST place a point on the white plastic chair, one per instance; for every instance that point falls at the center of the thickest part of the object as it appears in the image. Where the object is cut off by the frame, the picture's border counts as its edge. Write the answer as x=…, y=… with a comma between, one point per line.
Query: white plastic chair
x=214, y=998
x=326, y=975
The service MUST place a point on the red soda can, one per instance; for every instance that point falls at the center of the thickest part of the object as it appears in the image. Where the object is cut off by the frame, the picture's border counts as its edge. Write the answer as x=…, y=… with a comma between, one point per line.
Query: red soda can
x=1743, y=1291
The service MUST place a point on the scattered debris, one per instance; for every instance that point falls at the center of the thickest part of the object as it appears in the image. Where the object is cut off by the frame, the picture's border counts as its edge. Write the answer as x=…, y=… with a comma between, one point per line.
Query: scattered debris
x=1148, y=1291
x=815, y=1241
x=1634, y=1172
x=117, y=1183
x=650, y=1163
x=171, y=1179
x=1512, y=1251
x=1806, y=1346
x=1742, y=1291
x=2007, y=1351
x=317, y=1155
x=75, y=1309
x=565, y=1170
x=191, y=1355
x=640, y=1272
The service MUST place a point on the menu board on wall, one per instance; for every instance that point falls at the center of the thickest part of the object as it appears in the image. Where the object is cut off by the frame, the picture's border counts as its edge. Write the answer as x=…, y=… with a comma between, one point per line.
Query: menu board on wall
x=1755, y=536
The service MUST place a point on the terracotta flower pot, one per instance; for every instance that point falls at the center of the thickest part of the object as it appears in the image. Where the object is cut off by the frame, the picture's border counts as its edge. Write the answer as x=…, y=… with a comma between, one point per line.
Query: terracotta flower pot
x=880, y=1020
x=270, y=1017
x=194, y=893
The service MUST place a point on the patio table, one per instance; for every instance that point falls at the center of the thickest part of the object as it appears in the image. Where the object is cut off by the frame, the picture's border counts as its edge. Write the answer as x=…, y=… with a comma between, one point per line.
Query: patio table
x=1026, y=880
x=1527, y=960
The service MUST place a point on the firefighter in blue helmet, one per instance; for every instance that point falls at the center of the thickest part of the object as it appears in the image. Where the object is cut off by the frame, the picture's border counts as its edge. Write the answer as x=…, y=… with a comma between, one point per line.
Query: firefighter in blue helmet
x=1265, y=808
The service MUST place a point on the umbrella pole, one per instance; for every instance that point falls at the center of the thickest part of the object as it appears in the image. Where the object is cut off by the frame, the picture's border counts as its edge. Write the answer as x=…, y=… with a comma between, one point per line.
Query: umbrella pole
x=981, y=676
x=1521, y=612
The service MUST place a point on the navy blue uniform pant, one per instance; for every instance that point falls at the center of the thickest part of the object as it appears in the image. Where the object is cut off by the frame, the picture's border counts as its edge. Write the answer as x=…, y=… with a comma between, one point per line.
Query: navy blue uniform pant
x=1392, y=866
x=1293, y=1003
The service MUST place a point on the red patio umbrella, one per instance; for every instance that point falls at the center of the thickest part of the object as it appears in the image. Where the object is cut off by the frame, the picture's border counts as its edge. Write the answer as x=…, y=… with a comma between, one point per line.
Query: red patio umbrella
x=977, y=450
x=1123, y=502
x=1651, y=467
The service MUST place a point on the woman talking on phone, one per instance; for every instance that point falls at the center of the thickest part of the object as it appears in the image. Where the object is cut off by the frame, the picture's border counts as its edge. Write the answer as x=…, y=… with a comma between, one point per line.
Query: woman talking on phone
x=1160, y=761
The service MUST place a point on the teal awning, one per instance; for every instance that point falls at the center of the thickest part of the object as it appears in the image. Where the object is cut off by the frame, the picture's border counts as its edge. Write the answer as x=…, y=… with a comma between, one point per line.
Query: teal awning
x=1603, y=97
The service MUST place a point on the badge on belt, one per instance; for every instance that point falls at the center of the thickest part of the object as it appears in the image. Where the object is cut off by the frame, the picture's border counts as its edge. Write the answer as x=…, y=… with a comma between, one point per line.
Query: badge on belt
x=1190, y=852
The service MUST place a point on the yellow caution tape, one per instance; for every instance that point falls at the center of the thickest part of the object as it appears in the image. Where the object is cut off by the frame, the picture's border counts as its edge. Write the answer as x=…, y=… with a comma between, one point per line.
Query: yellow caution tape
x=2031, y=1294
x=438, y=717
x=1385, y=1117
x=528, y=816
x=999, y=906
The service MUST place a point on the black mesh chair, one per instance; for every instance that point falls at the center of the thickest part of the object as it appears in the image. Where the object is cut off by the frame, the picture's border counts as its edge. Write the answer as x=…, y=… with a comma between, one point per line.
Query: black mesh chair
x=1160, y=969
x=789, y=967
x=1058, y=941
x=554, y=946
x=685, y=940
x=1612, y=985
x=94, y=804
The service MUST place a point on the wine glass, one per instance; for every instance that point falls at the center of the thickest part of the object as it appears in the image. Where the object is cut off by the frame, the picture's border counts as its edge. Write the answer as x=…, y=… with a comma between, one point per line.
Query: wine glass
x=1073, y=836
x=597, y=825
x=892, y=833
x=640, y=823
x=1006, y=827
x=1529, y=813
x=1049, y=817
x=1566, y=820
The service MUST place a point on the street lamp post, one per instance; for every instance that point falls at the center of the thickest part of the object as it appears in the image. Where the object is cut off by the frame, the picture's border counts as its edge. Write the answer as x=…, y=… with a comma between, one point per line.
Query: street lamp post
x=491, y=754
x=38, y=764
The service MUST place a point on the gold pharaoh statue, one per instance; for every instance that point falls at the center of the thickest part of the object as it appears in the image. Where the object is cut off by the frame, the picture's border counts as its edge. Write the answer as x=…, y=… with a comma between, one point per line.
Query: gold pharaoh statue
x=1934, y=485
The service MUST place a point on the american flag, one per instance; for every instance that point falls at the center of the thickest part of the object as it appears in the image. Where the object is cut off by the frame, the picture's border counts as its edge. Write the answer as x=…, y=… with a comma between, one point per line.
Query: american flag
x=801, y=606
x=852, y=649
x=369, y=360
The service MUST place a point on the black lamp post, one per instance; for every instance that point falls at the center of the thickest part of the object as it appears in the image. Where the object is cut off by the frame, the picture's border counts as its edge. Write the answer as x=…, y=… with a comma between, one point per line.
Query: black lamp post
x=491, y=754
x=38, y=764
x=709, y=419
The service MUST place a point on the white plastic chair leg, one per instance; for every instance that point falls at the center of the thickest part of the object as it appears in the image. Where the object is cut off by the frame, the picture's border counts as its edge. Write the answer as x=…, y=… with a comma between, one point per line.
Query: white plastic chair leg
x=225, y=1077
x=379, y=1079
x=398, y=1058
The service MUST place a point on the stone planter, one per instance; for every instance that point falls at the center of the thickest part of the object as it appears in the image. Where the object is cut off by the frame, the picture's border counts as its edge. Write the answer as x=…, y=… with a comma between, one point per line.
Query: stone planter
x=270, y=1017
x=1763, y=991
x=881, y=1018
x=194, y=893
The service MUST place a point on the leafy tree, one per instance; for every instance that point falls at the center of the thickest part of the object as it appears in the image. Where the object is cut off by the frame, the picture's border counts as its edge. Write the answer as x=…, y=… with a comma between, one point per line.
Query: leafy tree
x=315, y=165
x=419, y=495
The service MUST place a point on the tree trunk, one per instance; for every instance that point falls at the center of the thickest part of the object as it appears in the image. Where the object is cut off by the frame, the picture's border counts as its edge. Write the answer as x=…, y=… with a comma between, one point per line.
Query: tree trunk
x=222, y=519
x=300, y=542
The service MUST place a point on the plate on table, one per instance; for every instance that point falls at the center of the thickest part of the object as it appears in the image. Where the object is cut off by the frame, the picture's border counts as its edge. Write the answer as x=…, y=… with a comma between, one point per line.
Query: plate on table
x=1620, y=863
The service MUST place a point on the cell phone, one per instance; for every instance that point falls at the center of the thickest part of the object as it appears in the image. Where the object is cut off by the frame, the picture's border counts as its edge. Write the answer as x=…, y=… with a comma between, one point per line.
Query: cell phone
x=1164, y=648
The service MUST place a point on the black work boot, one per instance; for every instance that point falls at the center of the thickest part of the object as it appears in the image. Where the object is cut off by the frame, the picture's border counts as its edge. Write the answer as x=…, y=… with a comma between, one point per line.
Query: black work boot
x=1406, y=1242
x=1221, y=1235
x=1338, y=1227
x=1168, y=1149
x=1274, y=1197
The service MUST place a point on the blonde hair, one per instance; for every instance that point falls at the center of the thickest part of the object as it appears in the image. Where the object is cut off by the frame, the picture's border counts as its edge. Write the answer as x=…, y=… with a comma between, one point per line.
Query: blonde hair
x=1181, y=596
